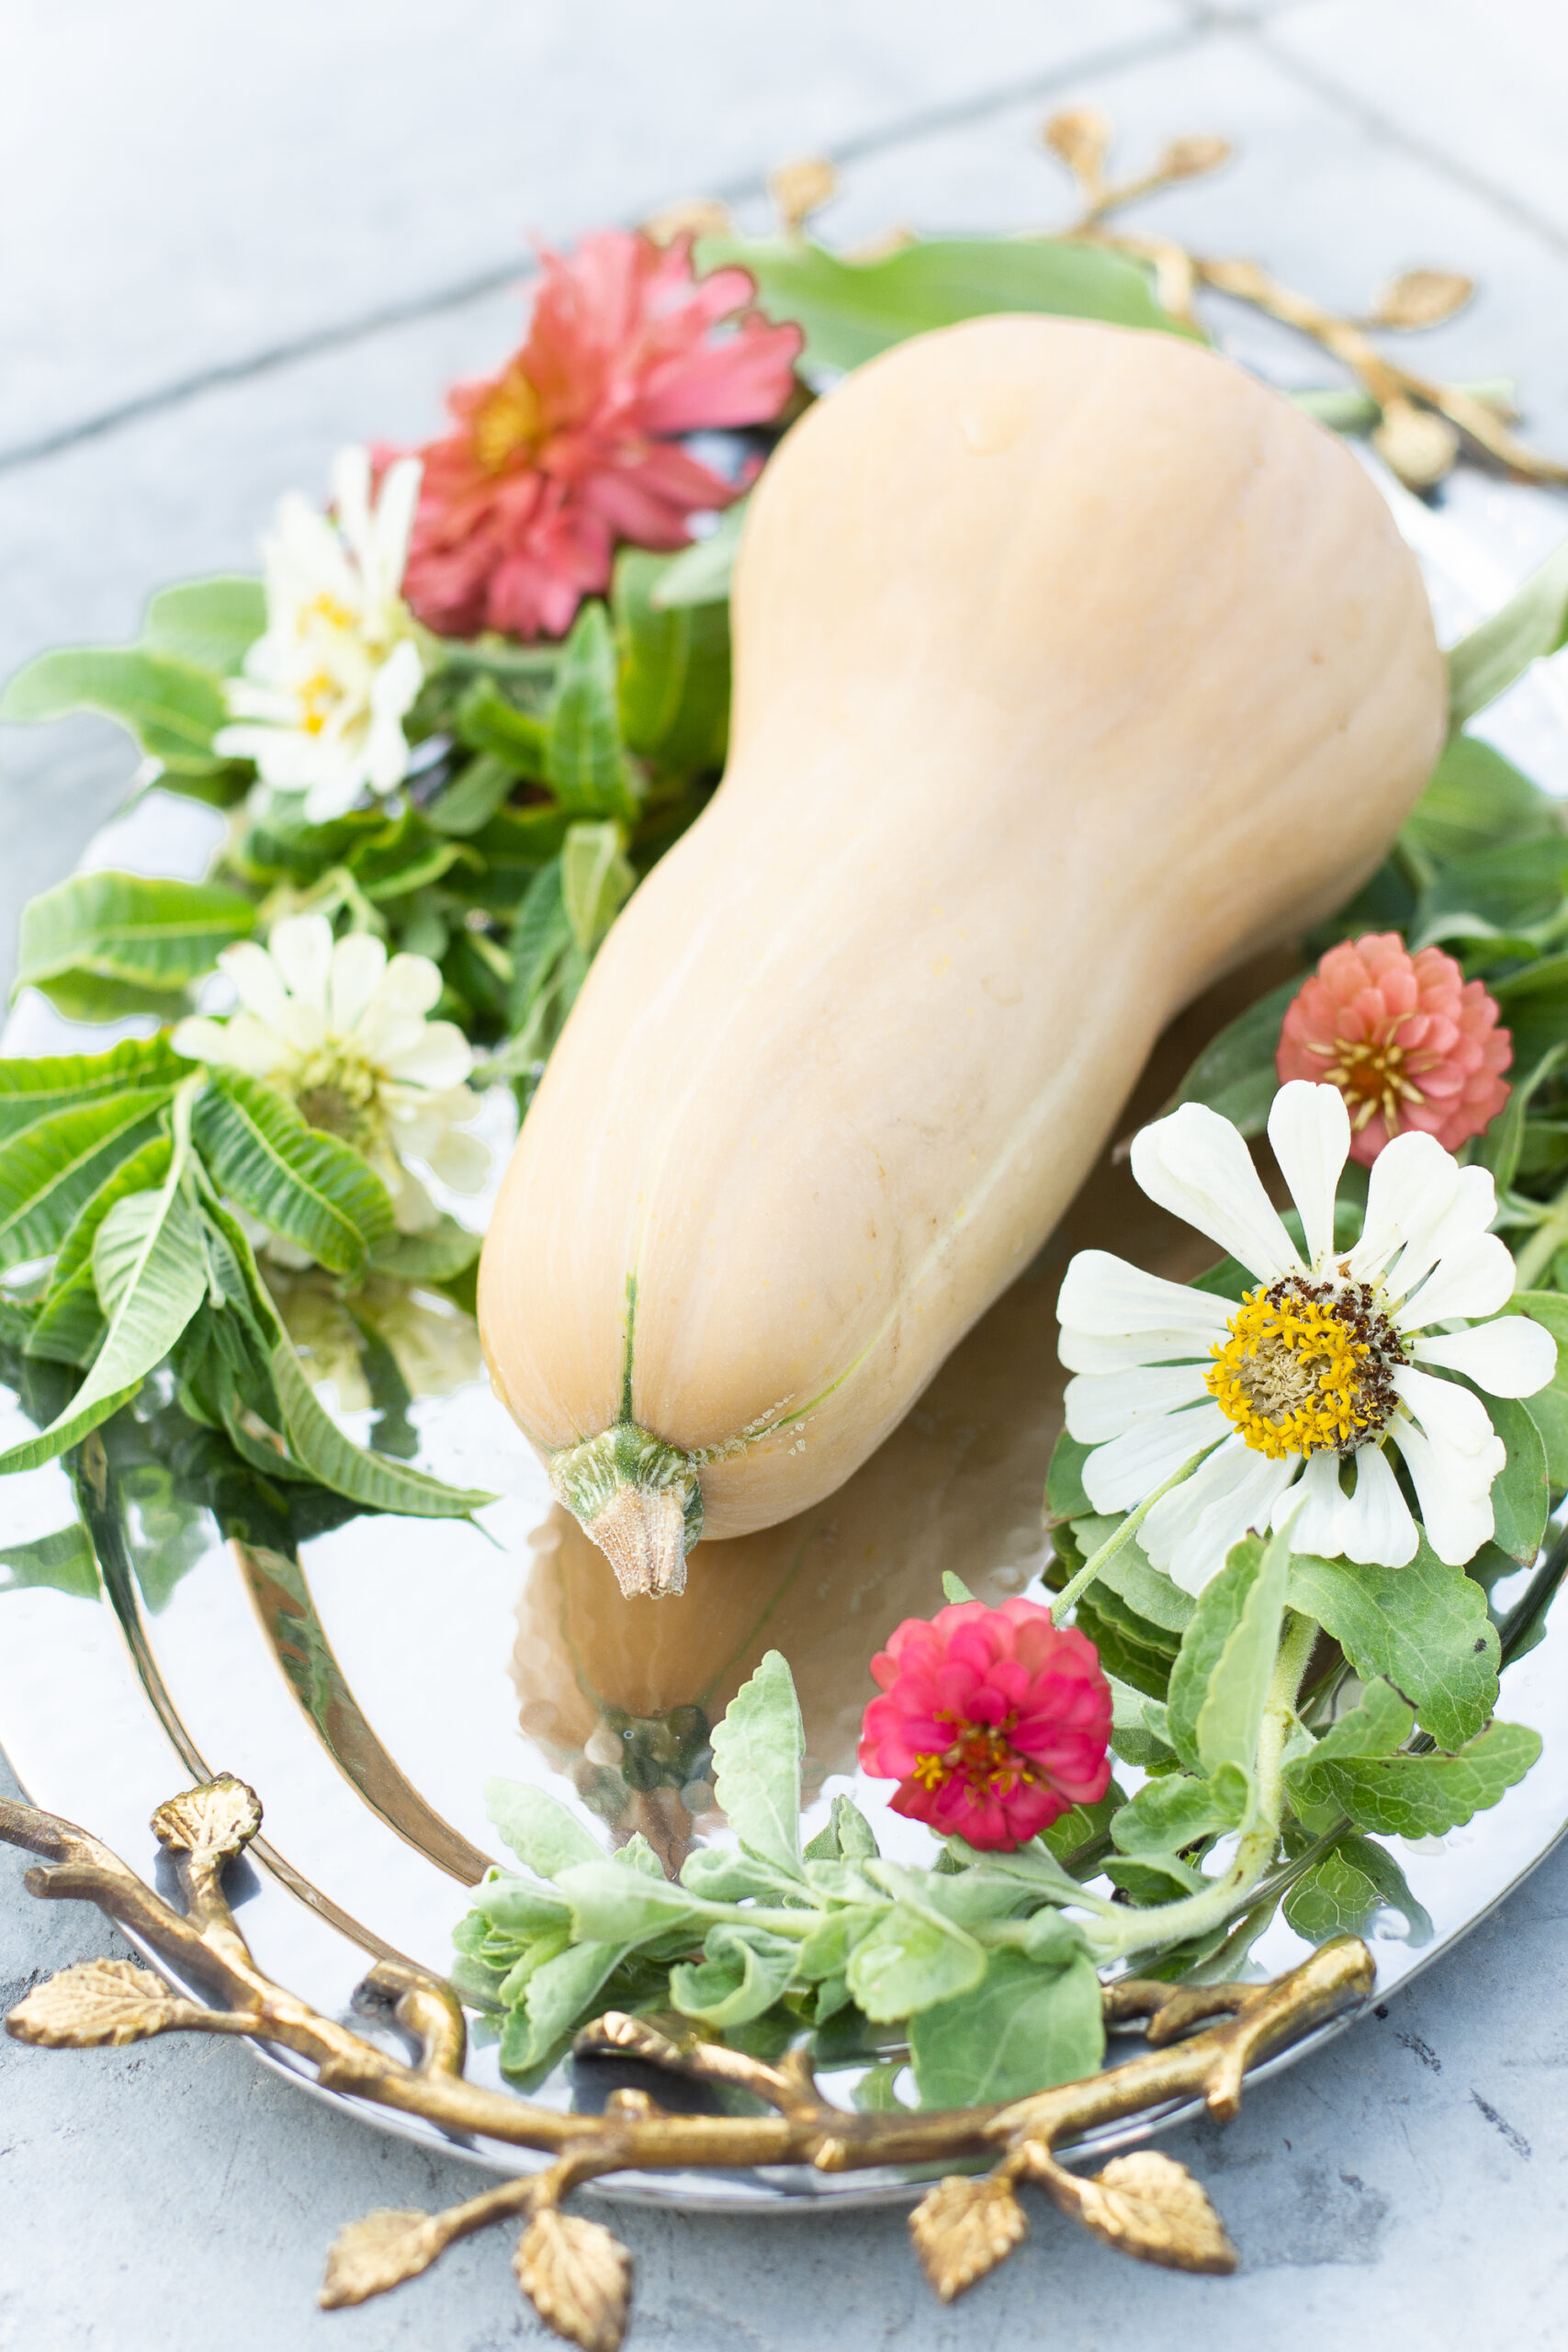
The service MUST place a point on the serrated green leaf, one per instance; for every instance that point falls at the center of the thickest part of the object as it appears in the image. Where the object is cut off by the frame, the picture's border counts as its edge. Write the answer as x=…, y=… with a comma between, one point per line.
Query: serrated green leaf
x=71, y=1321
x=172, y=708
x=1234, y=1074
x=137, y=930
x=320, y=1447
x=1423, y=1626
x=211, y=624
x=539, y=1829
x=1214, y=1620
x=152, y=1277
x=742, y=1971
x=319, y=1192
x=1346, y=1889
x=756, y=1752
x=50, y=1169
x=1408, y=1796
x=1021, y=2029
x=33, y=1089
x=911, y=1960
x=1532, y=623
x=851, y=311
x=1176, y=1810
x=585, y=765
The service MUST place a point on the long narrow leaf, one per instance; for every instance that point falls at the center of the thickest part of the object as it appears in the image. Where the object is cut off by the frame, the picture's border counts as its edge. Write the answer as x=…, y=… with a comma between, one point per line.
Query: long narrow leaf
x=1533, y=622
x=49, y=1172
x=584, y=763
x=33, y=1088
x=172, y=708
x=319, y=1192
x=143, y=930
x=71, y=1321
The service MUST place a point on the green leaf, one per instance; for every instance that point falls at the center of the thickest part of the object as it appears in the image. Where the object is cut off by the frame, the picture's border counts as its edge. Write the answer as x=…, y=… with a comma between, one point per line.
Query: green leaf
x=406, y=857
x=1423, y=1626
x=596, y=880
x=1147, y=1592
x=1504, y=1137
x=439, y=1254
x=1532, y=623
x=674, y=664
x=1519, y=1497
x=1505, y=890
x=515, y=1907
x=71, y=1321
x=701, y=575
x=1348, y=1889
x=472, y=798
x=50, y=1169
x=543, y=1835
x=584, y=763
x=1234, y=1074
x=1021, y=2029
x=559, y=1995
x=210, y=623
x=152, y=1277
x=514, y=739
x=729, y=1874
x=172, y=708
x=1475, y=797
x=1140, y=1730
x=851, y=311
x=64, y=1562
x=846, y=1835
x=137, y=929
x=321, y=1193
x=1175, y=1810
x=610, y=1904
x=1215, y=1618
x=911, y=1960
x=320, y=1447
x=742, y=1973
x=1547, y=1409
x=33, y=1089
x=1355, y=1767
x=756, y=1752
x=1064, y=1495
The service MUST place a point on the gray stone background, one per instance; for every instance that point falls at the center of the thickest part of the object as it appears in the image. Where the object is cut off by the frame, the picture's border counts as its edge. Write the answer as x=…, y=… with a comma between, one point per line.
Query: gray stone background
x=232, y=237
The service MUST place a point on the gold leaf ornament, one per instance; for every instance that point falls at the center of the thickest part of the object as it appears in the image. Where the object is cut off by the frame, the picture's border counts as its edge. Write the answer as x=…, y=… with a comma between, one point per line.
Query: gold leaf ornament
x=963, y=2228
x=381, y=2251
x=800, y=189
x=1423, y=297
x=1189, y=159
x=1079, y=137
x=1415, y=444
x=218, y=1819
x=1149, y=2206
x=578, y=2277
x=97, y=2005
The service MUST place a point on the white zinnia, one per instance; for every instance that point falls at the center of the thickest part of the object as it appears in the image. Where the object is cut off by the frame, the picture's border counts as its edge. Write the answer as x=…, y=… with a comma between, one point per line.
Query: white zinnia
x=1348, y=1334
x=343, y=1030
x=322, y=704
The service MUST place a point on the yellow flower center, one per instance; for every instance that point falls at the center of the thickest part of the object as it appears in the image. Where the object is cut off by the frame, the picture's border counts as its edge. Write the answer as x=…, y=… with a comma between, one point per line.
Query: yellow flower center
x=317, y=696
x=326, y=607
x=507, y=422
x=1307, y=1367
x=981, y=1753
x=1374, y=1076
x=337, y=1093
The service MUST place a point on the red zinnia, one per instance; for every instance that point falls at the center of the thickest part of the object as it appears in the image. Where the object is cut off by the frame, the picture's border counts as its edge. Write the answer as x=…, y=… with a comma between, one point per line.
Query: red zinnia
x=993, y=1722
x=1407, y=1039
x=568, y=450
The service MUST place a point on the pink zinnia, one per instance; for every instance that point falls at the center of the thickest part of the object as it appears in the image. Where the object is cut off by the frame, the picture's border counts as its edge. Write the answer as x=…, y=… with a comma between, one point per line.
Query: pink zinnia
x=568, y=450
x=1407, y=1039
x=992, y=1721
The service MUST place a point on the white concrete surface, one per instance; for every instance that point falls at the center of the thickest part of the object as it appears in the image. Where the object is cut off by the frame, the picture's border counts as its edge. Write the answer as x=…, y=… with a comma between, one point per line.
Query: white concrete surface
x=190, y=192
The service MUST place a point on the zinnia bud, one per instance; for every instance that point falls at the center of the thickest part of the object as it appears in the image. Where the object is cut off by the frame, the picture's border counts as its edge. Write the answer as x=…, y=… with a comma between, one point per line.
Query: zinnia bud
x=993, y=1720
x=1407, y=1039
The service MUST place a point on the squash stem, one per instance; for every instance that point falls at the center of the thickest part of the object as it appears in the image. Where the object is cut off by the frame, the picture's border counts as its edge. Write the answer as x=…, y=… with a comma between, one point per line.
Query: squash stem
x=1071, y=1592
x=638, y=1499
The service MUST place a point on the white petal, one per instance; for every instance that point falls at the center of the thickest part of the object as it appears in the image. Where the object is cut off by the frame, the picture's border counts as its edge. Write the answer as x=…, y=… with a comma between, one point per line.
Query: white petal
x=350, y=497
x=460, y=1160
x=1196, y=1165
x=1175, y=1515
x=1452, y=1417
x=441, y=1056
x=201, y=1039
x=1314, y=1510
x=1105, y=1295
x=1250, y=1503
x=1476, y=1279
x=258, y=983
x=241, y=1043
x=1089, y=1352
x=1309, y=1130
x=357, y=966
x=1411, y=1185
x=1472, y=1210
x=301, y=947
x=1376, y=1528
x=1454, y=1491
x=1102, y=1405
x=1119, y=1475
x=1512, y=1357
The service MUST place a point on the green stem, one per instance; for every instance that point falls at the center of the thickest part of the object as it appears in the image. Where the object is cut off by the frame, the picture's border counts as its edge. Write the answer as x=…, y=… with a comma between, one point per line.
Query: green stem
x=504, y=660
x=1538, y=1252
x=1071, y=1592
x=1193, y=1914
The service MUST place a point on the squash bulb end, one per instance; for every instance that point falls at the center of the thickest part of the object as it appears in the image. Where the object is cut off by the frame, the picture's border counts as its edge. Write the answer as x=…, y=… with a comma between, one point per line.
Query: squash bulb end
x=639, y=1500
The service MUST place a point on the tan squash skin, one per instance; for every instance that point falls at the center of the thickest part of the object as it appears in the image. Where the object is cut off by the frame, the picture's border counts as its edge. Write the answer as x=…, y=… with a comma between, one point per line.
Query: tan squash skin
x=1071, y=665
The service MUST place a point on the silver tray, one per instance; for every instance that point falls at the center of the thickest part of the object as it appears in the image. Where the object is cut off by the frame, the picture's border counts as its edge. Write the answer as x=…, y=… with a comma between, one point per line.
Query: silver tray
x=370, y=1681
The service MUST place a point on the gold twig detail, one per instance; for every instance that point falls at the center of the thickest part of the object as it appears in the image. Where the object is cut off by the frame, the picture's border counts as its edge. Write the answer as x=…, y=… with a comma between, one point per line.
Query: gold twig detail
x=577, y=2276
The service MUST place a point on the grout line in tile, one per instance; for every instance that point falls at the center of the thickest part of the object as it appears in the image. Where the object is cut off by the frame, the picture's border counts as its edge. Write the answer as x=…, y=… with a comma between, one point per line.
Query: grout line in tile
x=317, y=341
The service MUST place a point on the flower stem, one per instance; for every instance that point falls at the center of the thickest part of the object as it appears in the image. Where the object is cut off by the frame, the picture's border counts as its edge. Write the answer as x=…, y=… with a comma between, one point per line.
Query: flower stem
x=1067, y=1598
x=1193, y=1914
x=1550, y=1236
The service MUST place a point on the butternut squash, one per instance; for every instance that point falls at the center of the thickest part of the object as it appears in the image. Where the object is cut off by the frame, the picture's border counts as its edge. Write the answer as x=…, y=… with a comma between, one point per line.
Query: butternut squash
x=1072, y=665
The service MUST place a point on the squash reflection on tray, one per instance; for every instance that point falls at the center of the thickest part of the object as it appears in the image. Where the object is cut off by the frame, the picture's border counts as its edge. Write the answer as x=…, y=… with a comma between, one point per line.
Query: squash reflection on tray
x=622, y=1694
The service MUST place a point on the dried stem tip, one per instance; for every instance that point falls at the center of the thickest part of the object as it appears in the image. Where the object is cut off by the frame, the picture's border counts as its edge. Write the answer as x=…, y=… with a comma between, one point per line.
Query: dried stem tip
x=639, y=1500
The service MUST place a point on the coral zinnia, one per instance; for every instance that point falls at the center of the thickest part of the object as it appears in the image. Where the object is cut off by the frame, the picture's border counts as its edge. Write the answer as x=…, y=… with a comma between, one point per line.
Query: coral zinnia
x=1407, y=1041
x=568, y=450
x=992, y=1721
